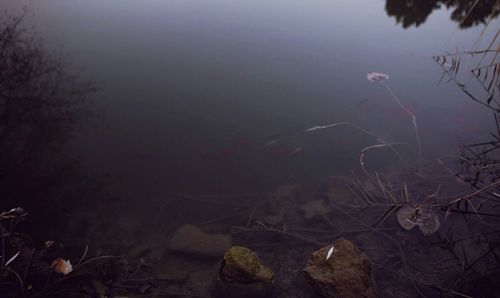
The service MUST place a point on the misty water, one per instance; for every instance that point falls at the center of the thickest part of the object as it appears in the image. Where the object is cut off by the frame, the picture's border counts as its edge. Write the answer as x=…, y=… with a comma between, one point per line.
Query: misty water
x=201, y=108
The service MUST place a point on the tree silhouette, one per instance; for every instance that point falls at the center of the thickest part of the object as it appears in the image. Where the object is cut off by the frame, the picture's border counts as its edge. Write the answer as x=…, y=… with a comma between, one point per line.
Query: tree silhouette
x=465, y=12
x=40, y=106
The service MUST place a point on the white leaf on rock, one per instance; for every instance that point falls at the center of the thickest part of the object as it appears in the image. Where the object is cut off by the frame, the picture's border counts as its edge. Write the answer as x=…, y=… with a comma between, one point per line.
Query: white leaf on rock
x=329, y=253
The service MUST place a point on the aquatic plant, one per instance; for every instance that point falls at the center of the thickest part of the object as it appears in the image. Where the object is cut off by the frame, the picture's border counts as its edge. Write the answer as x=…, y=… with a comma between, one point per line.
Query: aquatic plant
x=30, y=271
x=381, y=142
x=457, y=226
x=381, y=78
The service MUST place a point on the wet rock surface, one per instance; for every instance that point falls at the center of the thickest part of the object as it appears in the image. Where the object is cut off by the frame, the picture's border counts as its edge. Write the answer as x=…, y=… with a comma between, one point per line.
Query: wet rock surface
x=241, y=274
x=345, y=274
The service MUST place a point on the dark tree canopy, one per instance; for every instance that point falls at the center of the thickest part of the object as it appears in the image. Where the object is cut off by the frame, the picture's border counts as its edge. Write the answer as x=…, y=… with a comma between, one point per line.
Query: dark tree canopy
x=466, y=13
x=40, y=105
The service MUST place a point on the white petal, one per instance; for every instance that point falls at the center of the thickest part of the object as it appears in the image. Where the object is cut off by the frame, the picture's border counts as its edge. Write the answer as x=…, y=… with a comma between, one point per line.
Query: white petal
x=377, y=77
x=329, y=254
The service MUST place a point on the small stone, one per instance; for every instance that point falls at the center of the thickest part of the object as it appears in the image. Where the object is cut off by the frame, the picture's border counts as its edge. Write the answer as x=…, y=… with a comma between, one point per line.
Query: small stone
x=241, y=265
x=346, y=274
x=191, y=239
x=242, y=275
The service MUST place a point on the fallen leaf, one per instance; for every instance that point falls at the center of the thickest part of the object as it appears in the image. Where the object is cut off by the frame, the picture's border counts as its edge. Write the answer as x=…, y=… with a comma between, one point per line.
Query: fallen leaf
x=411, y=216
x=62, y=266
x=329, y=254
x=407, y=217
x=429, y=224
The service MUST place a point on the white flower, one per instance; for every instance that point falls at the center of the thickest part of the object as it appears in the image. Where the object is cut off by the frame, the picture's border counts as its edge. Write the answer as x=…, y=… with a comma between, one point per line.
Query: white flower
x=377, y=77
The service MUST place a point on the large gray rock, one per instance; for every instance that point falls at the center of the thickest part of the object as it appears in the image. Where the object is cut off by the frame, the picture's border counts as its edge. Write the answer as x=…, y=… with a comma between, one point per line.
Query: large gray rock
x=346, y=274
x=190, y=239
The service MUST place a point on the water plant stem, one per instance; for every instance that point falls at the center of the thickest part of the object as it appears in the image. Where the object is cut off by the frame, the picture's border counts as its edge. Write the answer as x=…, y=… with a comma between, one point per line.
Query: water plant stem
x=414, y=121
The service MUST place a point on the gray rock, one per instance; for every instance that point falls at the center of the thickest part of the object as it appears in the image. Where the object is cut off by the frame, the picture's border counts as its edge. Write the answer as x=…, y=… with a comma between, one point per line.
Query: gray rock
x=191, y=239
x=346, y=274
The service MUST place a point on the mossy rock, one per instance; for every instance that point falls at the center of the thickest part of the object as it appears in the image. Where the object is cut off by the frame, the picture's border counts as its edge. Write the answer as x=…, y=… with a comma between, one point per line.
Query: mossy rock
x=242, y=275
x=345, y=274
x=242, y=265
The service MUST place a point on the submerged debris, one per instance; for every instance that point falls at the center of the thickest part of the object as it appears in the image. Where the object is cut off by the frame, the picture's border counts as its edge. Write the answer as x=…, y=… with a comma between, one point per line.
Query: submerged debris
x=427, y=221
x=314, y=208
x=346, y=273
x=191, y=239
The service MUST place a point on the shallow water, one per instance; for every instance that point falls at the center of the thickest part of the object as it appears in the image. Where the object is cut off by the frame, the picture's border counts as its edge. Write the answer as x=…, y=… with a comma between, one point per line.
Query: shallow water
x=191, y=91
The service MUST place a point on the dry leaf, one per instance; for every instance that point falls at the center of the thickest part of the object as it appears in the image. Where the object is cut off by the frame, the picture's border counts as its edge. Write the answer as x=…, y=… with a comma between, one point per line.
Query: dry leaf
x=429, y=224
x=62, y=266
x=407, y=217
x=426, y=220
x=329, y=254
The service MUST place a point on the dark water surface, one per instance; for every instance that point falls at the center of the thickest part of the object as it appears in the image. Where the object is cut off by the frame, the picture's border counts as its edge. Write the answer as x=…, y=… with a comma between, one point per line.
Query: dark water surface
x=191, y=91
x=185, y=79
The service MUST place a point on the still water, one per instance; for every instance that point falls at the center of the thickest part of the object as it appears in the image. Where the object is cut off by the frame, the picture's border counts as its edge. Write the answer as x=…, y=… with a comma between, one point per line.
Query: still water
x=190, y=92
x=184, y=79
